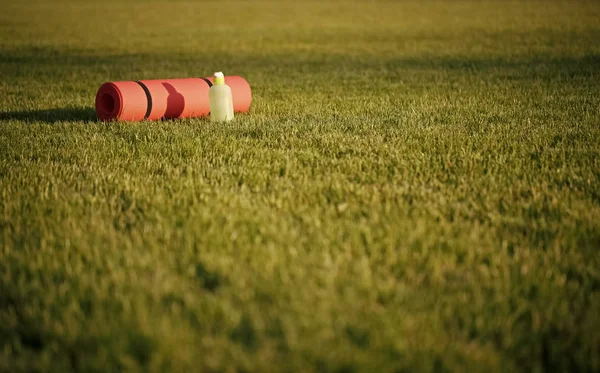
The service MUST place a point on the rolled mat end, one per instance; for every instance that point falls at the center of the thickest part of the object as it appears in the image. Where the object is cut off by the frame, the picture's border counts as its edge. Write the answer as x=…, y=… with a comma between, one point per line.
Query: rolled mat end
x=108, y=102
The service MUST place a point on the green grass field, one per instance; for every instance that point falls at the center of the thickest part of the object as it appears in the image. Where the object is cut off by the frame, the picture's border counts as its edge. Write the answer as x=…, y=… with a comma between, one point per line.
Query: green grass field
x=415, y=189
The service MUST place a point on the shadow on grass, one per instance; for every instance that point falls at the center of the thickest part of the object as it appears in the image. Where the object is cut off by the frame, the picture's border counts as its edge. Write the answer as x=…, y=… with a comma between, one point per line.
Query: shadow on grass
x=51, y=115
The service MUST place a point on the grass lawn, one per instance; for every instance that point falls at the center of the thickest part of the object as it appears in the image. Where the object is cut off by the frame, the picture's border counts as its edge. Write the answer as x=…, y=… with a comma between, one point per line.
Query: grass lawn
x=415, y=189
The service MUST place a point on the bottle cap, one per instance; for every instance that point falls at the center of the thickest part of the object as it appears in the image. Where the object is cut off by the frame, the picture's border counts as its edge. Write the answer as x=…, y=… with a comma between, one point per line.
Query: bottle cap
x=219, y=78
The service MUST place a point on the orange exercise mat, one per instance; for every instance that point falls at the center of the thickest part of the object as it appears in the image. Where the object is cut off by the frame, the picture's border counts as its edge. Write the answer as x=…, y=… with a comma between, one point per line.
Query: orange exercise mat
x=170, y=98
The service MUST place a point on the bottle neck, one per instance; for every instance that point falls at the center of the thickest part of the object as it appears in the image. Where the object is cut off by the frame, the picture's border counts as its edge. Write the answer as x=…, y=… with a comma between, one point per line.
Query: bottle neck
x=219, y=80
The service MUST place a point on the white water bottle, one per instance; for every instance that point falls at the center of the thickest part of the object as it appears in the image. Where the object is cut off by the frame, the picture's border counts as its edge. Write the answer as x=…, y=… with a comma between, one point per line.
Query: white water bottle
x=220, y=100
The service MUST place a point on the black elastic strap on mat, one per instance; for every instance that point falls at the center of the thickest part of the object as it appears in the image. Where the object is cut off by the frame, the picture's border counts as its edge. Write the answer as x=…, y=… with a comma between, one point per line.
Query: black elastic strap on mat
x=149, y=109
x=207, y=82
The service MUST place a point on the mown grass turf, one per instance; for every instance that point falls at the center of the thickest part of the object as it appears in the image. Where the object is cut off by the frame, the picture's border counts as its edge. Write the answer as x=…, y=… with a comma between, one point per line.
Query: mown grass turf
x=416, y=188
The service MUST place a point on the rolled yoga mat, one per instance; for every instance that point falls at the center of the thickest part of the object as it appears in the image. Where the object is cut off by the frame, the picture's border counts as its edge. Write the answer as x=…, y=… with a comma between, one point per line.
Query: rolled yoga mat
x=170, y=98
